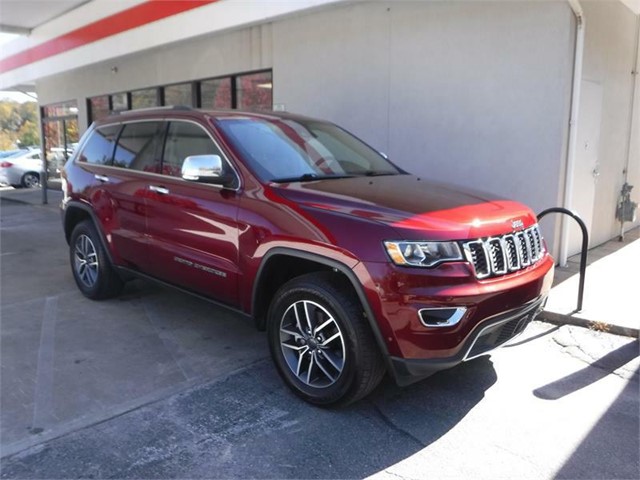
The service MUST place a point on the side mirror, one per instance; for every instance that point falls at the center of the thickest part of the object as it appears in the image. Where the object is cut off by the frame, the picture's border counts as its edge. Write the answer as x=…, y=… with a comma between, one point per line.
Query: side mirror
x=203, y=168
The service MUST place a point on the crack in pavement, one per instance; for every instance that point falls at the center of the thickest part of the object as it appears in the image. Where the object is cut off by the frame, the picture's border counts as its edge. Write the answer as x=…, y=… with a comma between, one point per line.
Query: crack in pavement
x=387, y=421
x=586, y=357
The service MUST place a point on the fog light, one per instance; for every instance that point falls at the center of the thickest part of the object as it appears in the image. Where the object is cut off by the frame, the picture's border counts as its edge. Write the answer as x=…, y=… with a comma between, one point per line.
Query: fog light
x=441, y=317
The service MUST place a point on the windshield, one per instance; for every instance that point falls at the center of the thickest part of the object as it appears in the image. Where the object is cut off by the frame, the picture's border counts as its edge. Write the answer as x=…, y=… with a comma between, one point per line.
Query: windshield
x=288, y=150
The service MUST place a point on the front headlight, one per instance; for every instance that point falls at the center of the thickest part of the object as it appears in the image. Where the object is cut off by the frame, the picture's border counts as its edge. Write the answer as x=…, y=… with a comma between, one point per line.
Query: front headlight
x=423, y=254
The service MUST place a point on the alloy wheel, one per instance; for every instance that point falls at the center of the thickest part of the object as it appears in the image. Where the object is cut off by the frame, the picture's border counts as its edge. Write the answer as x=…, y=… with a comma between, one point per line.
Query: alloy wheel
x=312, y=344
x=86, y=261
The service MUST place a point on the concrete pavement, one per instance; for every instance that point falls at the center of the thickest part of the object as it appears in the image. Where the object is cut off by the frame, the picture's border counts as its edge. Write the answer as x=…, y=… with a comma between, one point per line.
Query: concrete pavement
x=611, y=291
x=68, y=362
x=534, y=410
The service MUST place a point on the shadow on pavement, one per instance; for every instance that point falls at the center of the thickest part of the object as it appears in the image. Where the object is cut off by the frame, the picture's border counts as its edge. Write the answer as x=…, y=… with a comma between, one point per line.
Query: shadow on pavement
x=535, y=337
x=250, y=426
x=588, y=375
x=613, y=440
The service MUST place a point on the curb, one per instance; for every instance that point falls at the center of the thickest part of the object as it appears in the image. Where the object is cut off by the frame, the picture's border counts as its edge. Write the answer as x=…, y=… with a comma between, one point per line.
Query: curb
x=564, y=319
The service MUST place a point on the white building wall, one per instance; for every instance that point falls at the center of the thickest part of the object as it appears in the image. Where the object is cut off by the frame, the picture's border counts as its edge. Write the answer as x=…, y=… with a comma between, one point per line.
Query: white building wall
x=476, y=94
x=610, y=44
x=634, y=149
x=473, y=93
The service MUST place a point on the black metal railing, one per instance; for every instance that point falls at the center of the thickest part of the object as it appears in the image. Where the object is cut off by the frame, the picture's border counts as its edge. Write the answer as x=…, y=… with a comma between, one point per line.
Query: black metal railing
x=583, y=251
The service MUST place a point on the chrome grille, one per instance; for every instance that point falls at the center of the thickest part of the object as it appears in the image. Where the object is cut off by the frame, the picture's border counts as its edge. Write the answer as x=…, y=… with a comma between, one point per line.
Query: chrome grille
x=511, y=251
x=507, y=253
x=477, y=256
x=496, y=256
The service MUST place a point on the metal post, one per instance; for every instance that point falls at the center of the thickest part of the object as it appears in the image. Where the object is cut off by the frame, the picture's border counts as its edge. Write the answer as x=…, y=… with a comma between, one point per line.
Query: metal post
x=43, y=175
x=583, y=251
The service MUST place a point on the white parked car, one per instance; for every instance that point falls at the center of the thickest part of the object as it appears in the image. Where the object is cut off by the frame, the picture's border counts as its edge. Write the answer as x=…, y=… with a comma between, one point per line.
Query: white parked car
x=22, y=169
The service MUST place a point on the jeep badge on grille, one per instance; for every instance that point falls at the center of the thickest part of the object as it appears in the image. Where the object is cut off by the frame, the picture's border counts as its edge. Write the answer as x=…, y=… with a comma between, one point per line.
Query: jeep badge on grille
x=515, y=224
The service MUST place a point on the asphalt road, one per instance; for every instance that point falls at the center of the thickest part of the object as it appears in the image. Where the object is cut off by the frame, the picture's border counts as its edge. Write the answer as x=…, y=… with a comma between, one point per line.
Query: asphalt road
x=157, y=384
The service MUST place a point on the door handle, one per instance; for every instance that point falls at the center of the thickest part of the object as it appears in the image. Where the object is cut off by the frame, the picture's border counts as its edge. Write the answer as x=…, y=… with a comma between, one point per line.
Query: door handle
x=158, y=189
x=101, y=178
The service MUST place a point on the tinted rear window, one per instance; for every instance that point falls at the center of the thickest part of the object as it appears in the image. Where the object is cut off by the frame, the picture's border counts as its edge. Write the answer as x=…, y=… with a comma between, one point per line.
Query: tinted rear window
x=99, y=147
x=139, y=146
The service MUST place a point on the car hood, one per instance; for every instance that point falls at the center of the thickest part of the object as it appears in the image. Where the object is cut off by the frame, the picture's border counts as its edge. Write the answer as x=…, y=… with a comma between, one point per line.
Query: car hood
x=414, y=207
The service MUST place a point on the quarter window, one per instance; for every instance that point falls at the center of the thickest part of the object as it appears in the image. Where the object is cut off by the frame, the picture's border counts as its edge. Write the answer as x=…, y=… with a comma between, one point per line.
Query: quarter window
x=139, y=147
x=99, y=147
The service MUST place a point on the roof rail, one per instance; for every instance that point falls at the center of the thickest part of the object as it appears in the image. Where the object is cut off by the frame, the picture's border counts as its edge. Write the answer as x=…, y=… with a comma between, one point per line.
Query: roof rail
x=148, y=109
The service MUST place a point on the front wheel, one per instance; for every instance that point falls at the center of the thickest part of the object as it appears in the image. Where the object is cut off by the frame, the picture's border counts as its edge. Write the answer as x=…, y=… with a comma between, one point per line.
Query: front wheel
x=320, y=341
x=90, y=264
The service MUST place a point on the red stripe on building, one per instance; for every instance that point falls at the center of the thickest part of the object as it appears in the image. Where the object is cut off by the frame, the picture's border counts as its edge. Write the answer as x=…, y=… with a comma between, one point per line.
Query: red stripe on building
x=148, y=12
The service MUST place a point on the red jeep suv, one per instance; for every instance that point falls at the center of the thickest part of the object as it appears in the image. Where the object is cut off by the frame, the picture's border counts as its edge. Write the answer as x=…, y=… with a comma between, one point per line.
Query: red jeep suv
x=353, y=266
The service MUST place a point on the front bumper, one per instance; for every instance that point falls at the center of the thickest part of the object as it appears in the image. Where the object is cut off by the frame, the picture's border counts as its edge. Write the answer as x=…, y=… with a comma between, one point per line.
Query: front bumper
x=488, y=335
x=415, y=349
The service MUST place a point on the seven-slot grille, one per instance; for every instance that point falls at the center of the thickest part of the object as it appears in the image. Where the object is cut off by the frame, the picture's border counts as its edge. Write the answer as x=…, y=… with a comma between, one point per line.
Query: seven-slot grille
x=504, y=254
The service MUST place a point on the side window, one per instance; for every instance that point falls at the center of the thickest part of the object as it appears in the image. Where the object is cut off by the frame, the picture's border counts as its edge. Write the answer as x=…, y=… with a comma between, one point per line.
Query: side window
x=139, y=147
x=185, y=139
x=99, y=148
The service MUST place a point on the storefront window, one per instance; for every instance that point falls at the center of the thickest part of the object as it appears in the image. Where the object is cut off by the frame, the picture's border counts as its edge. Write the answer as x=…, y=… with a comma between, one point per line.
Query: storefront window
x=98, y=108
x=145, y=98
x=254, y=91
x=178, y=94
x=60, y=127
x=119, y=102
x=61, y=109
x=216, y=93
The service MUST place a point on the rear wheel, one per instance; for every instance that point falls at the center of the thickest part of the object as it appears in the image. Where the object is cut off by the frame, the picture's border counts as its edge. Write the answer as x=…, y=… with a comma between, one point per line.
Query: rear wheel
x=90, y=264
x=320, y=341
x=30, y=180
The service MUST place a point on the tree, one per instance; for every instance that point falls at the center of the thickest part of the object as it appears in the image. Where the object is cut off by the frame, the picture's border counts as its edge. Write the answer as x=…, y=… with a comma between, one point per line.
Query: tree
x=29, y=134
x=18, y=124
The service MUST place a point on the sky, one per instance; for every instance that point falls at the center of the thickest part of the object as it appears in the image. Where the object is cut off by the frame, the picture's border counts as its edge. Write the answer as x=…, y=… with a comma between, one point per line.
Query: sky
x=17, y=96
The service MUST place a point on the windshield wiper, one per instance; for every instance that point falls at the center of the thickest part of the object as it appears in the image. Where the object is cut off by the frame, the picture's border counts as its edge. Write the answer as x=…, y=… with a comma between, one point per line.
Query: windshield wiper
x=308, y=177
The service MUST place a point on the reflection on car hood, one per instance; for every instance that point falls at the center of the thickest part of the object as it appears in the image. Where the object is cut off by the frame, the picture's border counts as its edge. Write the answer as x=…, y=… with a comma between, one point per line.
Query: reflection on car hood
x=415, y=208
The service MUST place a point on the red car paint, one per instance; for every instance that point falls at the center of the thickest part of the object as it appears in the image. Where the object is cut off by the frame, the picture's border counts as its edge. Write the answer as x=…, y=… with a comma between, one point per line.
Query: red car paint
x=228, y=233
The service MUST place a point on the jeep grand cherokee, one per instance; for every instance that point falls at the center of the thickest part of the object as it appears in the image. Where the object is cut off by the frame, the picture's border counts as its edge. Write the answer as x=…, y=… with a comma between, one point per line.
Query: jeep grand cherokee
x=353, y=266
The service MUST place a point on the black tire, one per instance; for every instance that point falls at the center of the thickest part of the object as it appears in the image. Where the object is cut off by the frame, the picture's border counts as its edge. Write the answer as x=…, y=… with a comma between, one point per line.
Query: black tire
x=90, y=264
x=325, y=299
x=30, y=180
